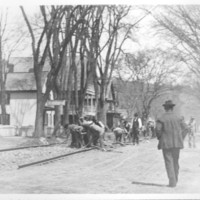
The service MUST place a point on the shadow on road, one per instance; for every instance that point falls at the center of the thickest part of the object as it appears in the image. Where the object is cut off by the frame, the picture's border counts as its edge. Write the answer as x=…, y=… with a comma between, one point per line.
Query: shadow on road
x=150, y=184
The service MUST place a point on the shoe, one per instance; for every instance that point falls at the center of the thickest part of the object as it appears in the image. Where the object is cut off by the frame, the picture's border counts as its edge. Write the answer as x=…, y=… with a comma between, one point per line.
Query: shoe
x=176, y=180
x=172, y=185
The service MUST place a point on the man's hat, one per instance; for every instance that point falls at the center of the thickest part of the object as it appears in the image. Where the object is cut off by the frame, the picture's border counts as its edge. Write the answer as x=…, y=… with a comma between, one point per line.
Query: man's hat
x=169, y=103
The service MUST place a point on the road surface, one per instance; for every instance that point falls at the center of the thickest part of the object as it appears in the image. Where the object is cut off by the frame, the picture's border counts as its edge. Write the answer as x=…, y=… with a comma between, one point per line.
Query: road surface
x=125, y=170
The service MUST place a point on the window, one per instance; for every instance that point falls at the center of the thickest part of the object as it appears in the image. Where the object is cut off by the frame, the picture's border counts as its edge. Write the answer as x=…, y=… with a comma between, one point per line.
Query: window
x=85, y=102
x=10, y=67
x=46, y=119
x=94, y=102
x=31, y=70
x=89, y=102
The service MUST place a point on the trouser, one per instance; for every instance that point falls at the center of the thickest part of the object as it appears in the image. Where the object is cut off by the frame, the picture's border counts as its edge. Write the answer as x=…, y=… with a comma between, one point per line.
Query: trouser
x=135, y=136
x=95, y=136
x=171, y=157
x=153, y=132
x=191, y=140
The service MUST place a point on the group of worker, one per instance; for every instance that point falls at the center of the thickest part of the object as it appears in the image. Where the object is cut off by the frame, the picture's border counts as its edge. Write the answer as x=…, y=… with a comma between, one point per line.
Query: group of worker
x=88, y=132
x=131, y=131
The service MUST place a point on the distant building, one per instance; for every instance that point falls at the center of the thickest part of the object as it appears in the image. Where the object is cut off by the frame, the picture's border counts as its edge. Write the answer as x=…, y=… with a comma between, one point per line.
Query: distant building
x=21, y=93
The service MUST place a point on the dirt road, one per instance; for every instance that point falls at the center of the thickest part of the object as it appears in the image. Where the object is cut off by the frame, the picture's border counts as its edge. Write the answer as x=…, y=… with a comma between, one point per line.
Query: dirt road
x=126, y=170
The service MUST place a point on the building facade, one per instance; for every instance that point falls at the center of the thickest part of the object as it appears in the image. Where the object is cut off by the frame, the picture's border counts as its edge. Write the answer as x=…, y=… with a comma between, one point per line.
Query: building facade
x=21, y=103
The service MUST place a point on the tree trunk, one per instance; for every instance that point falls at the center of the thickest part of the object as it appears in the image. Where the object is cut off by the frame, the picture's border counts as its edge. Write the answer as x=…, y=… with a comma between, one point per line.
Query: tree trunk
x=101, y=114
x=39, y=121
x=57, y=114
x=41, y=100
x=2, y=87
x=76, y=100
x=67, y=107
x=3, y=107
x=68, y=98
x=102, y=108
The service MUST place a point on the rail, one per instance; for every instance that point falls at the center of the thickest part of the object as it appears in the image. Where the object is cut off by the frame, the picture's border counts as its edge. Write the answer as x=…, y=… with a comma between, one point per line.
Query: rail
x=34, y=146
x=55, y=158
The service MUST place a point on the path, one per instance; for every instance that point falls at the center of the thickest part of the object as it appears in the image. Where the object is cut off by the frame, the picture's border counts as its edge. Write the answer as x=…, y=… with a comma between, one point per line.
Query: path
x=128, y=170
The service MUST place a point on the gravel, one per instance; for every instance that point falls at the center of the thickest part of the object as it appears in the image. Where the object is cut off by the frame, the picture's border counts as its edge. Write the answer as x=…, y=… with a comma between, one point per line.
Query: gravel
x=12, y=159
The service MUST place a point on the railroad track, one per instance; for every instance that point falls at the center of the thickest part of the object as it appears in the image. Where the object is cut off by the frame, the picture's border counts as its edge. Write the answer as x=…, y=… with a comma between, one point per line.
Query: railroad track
x=44, y=160
x=47, y=160
x=55, y=158
x=27, y=147
x=68, y=154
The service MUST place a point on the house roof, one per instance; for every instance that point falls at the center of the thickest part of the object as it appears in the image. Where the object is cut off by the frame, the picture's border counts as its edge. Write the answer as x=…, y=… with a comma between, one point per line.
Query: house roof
x=22, y=81
x=24, y=64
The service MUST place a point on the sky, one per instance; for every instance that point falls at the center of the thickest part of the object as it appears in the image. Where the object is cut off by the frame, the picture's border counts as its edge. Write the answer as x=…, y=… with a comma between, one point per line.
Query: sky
x=48, y=2
x=145, y=36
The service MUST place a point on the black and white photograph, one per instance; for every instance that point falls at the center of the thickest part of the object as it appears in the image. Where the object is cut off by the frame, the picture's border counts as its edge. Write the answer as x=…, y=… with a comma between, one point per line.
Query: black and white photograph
x=99, y=100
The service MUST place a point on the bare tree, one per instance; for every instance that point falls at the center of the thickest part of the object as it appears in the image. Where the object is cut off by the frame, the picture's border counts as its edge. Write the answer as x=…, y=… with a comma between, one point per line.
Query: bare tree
x=91, y=46
x=7, y=47
x=63, y=54
x=149, y=76
x=40, y=47
x=107, y=34
x=55, y=41
x=2, y=77
x=180, y=27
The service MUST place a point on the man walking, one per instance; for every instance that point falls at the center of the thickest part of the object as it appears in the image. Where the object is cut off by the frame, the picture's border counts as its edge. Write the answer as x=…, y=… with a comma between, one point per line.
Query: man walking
x=136, y=126
x=169, y=134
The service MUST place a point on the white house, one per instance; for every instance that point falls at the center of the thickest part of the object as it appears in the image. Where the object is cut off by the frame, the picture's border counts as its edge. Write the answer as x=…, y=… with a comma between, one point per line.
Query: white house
x=21, y=92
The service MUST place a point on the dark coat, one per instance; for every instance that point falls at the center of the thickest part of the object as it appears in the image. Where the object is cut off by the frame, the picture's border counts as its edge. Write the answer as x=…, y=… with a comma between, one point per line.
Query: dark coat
x=169, y=131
